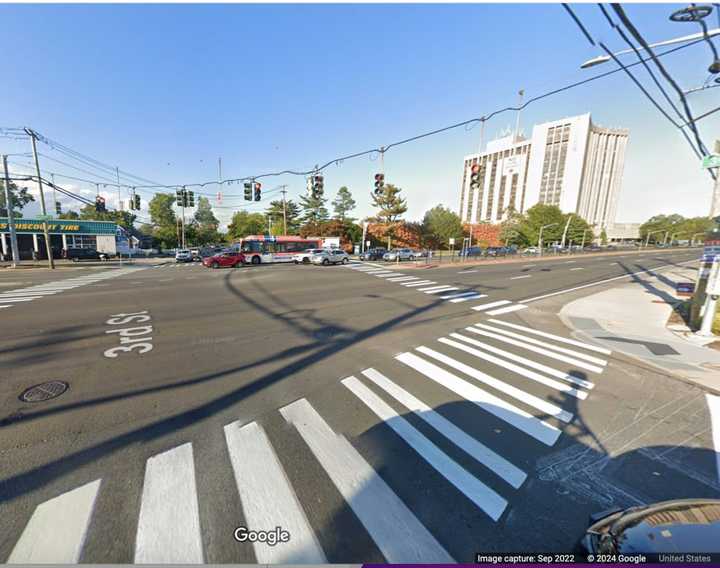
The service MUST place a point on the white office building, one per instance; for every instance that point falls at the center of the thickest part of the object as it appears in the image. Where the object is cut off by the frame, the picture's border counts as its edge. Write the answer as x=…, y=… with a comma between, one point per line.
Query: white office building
x=570, y=163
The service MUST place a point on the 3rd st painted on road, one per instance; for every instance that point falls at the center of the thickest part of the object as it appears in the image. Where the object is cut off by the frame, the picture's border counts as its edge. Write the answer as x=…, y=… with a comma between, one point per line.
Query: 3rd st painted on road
x=137, y=339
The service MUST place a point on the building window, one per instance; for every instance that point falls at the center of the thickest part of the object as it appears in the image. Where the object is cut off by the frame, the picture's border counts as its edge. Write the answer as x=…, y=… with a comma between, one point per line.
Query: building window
x=513, y=191
x=481, y=189
x=82, y=241
x=491, y=189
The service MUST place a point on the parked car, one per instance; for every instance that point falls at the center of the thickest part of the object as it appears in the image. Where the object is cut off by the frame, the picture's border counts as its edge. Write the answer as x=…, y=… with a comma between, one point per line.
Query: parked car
x=398, y=254
x=494, y=252
x=531, y=251
x=471, y=252
x=376, y=253
x=418, y=254
x=305, y=256
x=592, y=248
x=183, y=255
x=330, y=256
x=678, y=526
x=231, y=258
x=78, y=254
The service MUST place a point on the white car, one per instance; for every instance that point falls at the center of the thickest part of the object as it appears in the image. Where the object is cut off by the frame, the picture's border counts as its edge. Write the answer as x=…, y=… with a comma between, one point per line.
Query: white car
x=330, y=256
x=401, y=254
x=305, y=256
x=183, y=256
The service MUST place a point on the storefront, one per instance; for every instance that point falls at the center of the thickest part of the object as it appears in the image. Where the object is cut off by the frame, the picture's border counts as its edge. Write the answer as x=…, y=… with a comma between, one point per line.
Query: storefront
x=64, y=234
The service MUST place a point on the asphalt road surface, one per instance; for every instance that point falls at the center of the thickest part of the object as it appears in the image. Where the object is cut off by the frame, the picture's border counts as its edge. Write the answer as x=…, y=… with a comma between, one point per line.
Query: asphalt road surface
x=372, y=412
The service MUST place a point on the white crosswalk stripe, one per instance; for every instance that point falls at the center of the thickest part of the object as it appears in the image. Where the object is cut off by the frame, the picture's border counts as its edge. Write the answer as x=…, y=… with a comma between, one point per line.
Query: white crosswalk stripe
x=439, y=290
x=471, y=296
x=526, y=329
x=479, y=493
x=507, y=310
x=489, y=305
x=421, y=283
x=396, y=531
x=523, y=421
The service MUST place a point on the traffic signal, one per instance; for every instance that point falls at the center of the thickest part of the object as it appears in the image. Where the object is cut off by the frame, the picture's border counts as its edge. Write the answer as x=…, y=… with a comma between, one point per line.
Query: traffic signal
x=319, y=184
x=136, y=202
x=58, y=209
x=475, y=176
x=100, y=204
x=258, y=188
x=190, y=199
x=248, y=191
x=179, y=197
x=379, y=183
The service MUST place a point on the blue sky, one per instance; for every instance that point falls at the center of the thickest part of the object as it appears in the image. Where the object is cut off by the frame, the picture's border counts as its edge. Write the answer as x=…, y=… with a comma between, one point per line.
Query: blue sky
x=163, y=90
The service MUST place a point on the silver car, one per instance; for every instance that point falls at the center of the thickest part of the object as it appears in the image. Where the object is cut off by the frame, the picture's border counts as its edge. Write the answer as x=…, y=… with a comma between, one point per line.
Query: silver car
x=395, y=254
x=330, y=256
x=305, y=256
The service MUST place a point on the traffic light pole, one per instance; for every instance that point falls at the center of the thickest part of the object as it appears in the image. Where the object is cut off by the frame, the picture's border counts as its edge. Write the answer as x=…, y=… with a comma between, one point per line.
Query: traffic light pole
x=48, y=247
x=11, y=218
x=184, y=194
x=284, y=191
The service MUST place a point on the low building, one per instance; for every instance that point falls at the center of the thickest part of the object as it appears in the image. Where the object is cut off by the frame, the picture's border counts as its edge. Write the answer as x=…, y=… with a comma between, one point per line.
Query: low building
x=102, y=236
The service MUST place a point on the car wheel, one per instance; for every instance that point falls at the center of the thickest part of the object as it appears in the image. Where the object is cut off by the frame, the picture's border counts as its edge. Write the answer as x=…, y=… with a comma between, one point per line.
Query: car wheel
x=256, y=260
x=215, y=265
x=306, y=260
x=295, y=261
x=325, y=262
x=74, y=259
x=345, y=260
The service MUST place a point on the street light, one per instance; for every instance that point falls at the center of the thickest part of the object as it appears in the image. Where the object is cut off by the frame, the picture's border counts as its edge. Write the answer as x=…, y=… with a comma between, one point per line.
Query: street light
x=540, y=245
x=582, y=246
x=605, y=58
x=647, y=240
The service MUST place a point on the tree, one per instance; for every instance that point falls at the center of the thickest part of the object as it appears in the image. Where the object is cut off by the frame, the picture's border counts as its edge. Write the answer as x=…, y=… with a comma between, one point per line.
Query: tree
x=603, y=237
x=343, y=203
x=390, y=207
x=292, y=215
x=244, y=223
x=541, y=215
x=204, y=214
x=20, y=197
x=579, y=230
x=510, y=228
x=69, y=215
x=439, y=226
x=161, y=210
x=314, y=212
x=123, y=218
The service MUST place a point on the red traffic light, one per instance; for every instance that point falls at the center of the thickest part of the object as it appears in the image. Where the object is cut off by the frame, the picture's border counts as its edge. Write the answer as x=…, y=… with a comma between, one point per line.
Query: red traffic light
x=258, y=186
x=475, y=168
x=379, y=177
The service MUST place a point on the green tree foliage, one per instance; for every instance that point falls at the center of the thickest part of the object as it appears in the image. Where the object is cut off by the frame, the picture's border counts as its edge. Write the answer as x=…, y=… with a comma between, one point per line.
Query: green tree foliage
x=292, y=213
x=123, y=218
x=538, y=216
x=164, y=221
x=70, y=214
x=389, y=204
x=205, y=225
x=343, y=204
x=20, y=197
x=204, y=214
x=575, y=231
x=244, y=223
x=439, y=225
x=659, y=227
x=511, y=229
x=314, y=212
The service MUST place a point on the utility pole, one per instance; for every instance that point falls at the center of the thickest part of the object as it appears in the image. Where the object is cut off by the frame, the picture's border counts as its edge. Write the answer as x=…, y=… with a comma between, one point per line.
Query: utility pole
x=11, y=218
x=562, y=244
x=184, y=193
x=52, y=177
x=715, y=206
x=284, y=191
x=117, y=173
x=521, y=93
x=48, y=247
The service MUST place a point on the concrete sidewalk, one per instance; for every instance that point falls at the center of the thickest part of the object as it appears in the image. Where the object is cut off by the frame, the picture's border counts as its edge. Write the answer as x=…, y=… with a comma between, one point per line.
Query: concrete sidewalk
x=632, y=319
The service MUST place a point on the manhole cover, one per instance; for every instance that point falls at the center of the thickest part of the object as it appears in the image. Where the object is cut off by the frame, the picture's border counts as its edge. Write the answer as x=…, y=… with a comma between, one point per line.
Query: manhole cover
x=44, y=391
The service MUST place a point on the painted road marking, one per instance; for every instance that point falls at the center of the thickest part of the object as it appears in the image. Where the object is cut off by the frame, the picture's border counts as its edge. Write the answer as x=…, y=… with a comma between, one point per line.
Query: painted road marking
x=527, y=265
x=458, y=295
x=539, y=350
x=398, y=534
x=569, y=261
x=534, y=299
x=1, y=307
x=440, y=290
x=17, y=299
x=714, y=407
x=266, y=497
x=473, y=297
x=520, y=277
x=169, y=526
x=389, y=275
x=474, y=489
x=516, y=393
x=402, y=278
x=577, y=268
x=467, y=271
x=421, y=283
x=507, y=310
x=555, y=337
x=504, y=469
x=527, y=362
x=436, y=287
x=532, y=375
x=521, y=337
x=57, y=529
x=482, y=307
x=523, y=421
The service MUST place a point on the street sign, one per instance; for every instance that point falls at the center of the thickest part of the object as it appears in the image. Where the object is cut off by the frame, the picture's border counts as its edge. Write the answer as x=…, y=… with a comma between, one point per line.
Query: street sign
x=711, y=161
x=452, y=241
x=45, y=217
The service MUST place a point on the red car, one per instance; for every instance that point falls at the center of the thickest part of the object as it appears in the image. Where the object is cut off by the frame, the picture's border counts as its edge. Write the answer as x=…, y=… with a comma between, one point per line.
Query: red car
x=224, y=259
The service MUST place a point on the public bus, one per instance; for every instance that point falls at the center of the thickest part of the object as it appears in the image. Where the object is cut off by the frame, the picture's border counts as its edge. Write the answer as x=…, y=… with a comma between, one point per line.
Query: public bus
x=265, y=248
